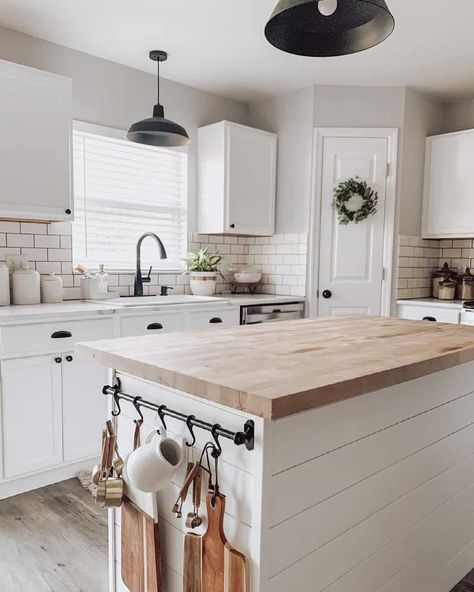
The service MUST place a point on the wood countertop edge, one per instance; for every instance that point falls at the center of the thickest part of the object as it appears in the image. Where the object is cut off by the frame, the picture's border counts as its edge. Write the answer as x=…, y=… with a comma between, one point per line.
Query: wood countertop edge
x=286, y=405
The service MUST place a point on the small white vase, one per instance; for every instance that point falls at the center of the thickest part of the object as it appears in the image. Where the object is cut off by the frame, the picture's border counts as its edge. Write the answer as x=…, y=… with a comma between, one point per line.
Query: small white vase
x=203, y=283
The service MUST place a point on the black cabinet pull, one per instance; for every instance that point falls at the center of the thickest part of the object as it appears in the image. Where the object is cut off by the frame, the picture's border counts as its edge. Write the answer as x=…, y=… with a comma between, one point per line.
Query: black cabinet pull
x=58, y=360
x=215, y=320
x=68, y=211
x=327, y=294
x=231, y=225
x=61, y=334
x=154, y=326
x=432, y=319
x=69, y=358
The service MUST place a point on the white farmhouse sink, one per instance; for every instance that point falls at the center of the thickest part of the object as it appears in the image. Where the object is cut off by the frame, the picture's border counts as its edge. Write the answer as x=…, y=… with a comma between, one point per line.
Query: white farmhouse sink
x=134, y=301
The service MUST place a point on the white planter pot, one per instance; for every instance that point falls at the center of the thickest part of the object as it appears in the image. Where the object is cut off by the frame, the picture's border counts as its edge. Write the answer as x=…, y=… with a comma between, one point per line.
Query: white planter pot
x=203, y=283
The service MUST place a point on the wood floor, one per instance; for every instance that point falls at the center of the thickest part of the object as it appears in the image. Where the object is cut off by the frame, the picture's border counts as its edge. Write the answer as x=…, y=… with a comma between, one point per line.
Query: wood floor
x=53, y=539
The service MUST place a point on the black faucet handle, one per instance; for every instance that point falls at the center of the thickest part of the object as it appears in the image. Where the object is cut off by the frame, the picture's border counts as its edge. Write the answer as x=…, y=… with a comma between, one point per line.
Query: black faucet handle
x=147, y=279
x=164, y=290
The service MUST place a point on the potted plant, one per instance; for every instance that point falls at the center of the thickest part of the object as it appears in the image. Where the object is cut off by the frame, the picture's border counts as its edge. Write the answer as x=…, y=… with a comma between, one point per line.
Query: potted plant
x=203, y=270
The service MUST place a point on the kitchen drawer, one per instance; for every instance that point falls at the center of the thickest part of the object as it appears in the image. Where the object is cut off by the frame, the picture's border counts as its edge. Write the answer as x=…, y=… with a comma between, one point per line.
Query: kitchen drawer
x=214, y=318
x=58, y=336
x=150, y=324
x=429, y=313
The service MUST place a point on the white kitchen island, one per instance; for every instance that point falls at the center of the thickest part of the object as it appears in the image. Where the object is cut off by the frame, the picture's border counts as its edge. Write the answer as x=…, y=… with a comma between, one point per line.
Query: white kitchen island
x=362, y=474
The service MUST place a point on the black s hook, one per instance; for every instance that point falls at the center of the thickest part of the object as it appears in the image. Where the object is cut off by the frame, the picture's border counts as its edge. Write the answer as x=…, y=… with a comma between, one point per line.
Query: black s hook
x=137, y=407
x=189, y=425
x=116, y=412
x=161, y=415
x=217, y=447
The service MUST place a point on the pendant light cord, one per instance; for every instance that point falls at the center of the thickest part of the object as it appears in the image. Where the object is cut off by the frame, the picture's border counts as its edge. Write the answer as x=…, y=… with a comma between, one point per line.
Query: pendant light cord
x=158, y=82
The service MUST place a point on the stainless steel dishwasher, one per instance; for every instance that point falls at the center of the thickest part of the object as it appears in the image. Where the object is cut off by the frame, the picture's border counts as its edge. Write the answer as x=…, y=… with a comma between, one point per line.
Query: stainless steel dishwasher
x=269, y=313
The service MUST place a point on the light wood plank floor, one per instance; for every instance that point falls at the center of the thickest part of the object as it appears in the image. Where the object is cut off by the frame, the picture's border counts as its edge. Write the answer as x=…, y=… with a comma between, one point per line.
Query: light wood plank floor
x=53, y=539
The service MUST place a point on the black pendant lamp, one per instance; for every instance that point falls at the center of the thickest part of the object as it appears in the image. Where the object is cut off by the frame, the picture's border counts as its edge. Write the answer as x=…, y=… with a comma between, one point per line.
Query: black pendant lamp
x=327, y=28
x=157, y=130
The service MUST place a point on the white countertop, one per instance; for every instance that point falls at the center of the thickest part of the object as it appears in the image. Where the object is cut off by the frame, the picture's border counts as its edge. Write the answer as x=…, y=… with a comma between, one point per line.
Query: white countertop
x=78, y=308
x=433, y=302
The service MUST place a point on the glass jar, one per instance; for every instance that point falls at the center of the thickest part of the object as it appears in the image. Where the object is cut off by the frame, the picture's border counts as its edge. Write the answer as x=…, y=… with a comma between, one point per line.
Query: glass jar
x=467, y=287
x=447, y=289
x=438, y=276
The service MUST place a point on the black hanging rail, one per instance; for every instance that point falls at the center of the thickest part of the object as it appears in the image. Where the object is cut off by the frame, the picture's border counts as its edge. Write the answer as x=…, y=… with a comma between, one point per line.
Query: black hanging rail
x=247, y=437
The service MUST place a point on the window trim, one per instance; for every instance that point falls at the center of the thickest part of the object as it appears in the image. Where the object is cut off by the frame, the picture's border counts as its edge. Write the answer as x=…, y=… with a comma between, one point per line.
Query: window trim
x=120, y=134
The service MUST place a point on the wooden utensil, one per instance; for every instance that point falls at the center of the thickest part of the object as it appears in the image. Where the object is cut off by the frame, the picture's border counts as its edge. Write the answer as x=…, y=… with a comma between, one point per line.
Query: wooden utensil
x=192, y=563
x=141, y=565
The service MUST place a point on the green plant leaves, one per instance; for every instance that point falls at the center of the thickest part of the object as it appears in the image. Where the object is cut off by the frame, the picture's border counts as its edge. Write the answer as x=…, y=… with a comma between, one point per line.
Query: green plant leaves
x=344, y=192
x=202, y=260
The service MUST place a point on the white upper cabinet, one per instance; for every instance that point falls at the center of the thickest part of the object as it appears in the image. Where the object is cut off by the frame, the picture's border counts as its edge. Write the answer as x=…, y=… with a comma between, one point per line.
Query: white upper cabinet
x=35, y=144
x=448, y=206
x=237, y=178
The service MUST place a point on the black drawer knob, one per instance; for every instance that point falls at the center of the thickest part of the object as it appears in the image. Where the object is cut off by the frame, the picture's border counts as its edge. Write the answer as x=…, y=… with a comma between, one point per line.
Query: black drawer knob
x=215, y=320
x=432, y=319
x=231, y=225
x=58, y=360
x=69, y=358
x=68, y=211
x=327, y=294
x=61, y=335
x=154, y=326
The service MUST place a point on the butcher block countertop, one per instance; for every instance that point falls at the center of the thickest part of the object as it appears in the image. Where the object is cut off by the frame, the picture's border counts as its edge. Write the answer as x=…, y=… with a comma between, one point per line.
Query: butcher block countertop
x=277, y=369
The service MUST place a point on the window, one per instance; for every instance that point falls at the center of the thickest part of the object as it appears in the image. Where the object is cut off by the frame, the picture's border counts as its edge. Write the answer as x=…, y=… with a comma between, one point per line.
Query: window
x=122, y=190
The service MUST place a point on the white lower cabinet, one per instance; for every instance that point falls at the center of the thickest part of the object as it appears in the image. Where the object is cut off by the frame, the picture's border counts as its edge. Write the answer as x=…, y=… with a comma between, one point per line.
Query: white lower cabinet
x=31, y=414
x=438, y=313
x=84, y=410
x=214, y=318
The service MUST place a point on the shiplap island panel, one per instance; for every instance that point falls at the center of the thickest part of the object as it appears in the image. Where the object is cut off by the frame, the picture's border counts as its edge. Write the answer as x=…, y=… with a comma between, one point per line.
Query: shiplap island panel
x=365, y=482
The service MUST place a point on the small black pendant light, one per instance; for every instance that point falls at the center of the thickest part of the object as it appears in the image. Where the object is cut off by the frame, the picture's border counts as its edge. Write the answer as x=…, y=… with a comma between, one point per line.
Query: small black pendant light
x=157, y=130
x=329, y=27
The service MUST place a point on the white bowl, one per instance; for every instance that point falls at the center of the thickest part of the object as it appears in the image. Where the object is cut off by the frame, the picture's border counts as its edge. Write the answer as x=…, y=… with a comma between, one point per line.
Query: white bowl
x=247, y=277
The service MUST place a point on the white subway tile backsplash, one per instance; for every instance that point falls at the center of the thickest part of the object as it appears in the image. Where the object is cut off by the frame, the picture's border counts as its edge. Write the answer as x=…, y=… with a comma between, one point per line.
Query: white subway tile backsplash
x=51, y=241
x=20, y=240
x=48, y=248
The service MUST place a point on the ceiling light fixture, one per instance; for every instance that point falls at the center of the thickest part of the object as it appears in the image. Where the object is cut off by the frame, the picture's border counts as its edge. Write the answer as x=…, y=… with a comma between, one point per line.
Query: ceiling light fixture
x=324, y=28
x=158, y=131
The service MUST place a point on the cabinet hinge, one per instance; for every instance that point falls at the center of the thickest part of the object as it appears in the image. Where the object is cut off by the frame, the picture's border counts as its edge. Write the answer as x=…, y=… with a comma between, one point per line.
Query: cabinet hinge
x=389, y=169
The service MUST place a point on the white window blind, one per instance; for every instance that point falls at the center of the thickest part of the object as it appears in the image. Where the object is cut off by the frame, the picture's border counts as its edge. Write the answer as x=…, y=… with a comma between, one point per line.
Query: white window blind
x=121, y=191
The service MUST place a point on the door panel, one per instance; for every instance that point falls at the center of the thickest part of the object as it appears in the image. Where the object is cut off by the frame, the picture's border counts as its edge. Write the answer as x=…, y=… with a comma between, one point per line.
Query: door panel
x=84, y=407
x=351, y=257
x=31, y=404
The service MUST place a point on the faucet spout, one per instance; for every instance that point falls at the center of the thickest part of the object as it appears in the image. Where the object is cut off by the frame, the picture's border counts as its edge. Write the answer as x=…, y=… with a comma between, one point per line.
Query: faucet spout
x=139, y=279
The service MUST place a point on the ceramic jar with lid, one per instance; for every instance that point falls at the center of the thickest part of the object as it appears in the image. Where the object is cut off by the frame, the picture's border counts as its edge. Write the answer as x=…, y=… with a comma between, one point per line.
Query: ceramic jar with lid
x=26, y=286
x=465, y=289
x=52, y=289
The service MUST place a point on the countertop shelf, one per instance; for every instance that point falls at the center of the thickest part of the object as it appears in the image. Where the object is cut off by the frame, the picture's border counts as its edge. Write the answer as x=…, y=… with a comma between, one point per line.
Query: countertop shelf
x=275, y=370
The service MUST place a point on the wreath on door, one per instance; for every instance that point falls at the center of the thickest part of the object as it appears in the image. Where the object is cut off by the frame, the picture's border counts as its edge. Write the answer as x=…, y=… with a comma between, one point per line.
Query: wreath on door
x=354, y=201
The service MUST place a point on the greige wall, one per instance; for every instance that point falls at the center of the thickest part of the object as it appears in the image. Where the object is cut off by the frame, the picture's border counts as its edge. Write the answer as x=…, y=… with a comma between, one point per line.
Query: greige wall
x=112, y=95
x=291, y=117
x=459, y=116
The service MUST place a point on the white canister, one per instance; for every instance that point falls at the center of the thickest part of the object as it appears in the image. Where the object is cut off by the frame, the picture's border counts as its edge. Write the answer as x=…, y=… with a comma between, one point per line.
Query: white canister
x=26, y=286
x=51, y=289
x=4, y=285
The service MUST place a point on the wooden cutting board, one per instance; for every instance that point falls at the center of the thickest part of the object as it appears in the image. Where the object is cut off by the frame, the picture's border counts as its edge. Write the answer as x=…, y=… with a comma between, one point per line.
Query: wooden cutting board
x=192, y=562
x=223, y=569
x=141, y=566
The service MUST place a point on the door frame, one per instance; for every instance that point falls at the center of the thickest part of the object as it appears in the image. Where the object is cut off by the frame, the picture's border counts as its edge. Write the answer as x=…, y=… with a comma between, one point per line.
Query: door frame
x=320, y=134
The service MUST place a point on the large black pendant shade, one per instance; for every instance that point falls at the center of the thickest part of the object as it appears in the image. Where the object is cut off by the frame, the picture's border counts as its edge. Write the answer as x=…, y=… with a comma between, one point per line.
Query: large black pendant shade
x=329, y=27
x=157, y=130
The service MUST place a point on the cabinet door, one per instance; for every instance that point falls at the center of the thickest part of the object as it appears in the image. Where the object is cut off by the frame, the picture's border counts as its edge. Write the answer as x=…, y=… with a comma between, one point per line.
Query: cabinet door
x=153, y=324
x=31, y=414
x=250, y=181
x=429, y=313
x=35, y=144
x=84, y=407
x=448, y=207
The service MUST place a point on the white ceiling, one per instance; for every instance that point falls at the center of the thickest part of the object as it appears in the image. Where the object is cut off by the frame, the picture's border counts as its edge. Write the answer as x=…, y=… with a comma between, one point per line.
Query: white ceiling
x=219, y=46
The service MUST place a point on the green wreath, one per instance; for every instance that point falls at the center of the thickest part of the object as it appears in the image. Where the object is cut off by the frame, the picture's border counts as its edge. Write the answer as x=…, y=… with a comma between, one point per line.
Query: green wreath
x=345, y=191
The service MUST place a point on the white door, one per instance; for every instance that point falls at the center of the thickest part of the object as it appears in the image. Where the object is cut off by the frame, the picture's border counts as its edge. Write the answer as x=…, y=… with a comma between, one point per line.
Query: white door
x=84, y=407
x=31, y=414
x=351, y=257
